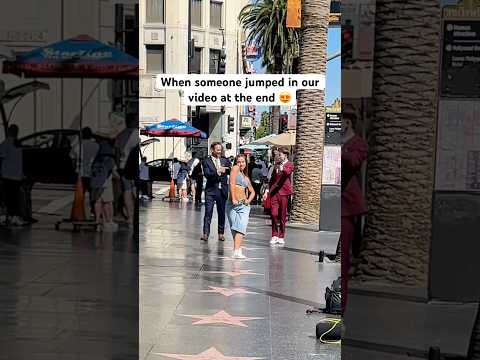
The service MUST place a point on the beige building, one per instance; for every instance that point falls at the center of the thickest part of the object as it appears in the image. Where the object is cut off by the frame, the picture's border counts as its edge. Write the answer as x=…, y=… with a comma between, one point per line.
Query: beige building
x=31, y=23
x=164, y=49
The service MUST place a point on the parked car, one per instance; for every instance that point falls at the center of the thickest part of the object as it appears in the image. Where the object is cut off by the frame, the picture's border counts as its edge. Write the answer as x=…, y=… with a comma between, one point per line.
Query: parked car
x=47, y=156
x=158, y=170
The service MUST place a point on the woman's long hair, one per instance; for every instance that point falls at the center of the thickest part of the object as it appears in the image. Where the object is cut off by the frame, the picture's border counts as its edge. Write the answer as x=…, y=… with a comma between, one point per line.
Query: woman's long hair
x=245, y=171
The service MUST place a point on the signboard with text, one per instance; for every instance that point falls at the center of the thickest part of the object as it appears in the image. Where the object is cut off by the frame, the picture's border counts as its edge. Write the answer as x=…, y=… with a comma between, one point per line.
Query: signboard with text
x=461, y=59
x=333, y=128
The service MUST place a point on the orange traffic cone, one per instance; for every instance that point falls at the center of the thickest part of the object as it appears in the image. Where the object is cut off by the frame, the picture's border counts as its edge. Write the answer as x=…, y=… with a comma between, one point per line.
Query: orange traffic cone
x=78, y=207
x=172, y=194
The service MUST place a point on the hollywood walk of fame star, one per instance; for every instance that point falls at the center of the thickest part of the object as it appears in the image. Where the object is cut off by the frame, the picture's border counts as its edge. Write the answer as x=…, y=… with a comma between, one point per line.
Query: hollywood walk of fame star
x=221, y=317
x=226, y=291
x=210, y=354
x=234, y=273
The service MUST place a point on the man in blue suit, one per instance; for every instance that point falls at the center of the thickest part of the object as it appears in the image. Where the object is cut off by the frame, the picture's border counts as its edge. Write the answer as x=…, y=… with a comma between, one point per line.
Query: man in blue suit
x=216, y=169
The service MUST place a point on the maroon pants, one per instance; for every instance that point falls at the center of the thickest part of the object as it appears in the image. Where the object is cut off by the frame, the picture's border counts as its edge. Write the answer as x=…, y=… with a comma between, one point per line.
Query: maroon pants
x=346, y=238
x=278, y=210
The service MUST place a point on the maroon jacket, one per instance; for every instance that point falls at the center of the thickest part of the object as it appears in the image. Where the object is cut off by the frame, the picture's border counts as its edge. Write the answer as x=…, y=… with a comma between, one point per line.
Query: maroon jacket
x=280, y=182
x=354, y=153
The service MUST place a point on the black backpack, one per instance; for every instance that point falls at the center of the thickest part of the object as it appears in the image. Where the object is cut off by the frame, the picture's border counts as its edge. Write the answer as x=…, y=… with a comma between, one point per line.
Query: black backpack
x=333, y=298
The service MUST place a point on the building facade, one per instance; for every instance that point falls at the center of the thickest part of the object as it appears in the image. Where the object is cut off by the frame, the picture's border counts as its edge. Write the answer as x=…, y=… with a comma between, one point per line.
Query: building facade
x=164, y=49
x=31, y=24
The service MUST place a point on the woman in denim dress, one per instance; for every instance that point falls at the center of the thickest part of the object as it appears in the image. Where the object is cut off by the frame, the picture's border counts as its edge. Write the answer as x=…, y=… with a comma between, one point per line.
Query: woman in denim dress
x=238, y=205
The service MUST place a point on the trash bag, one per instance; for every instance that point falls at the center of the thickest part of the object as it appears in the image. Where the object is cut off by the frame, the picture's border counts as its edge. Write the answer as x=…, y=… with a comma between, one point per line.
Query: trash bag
x=333, y=298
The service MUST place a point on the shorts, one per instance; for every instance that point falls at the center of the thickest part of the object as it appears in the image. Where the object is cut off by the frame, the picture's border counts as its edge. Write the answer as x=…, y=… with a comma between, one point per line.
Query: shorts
x=103, y=194
x=127, y=184
x=182, y=186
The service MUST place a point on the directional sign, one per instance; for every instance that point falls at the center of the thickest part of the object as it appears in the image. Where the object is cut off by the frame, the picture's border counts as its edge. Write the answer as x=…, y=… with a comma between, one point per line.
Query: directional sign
x=461, y=59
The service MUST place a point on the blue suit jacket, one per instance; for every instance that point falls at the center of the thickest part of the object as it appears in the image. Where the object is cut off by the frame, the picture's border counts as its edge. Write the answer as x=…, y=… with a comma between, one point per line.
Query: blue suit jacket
x=213, y=180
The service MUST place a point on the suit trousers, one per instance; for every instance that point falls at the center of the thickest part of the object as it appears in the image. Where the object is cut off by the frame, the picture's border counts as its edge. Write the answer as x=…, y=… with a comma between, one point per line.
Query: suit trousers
x=212, y=197
x=346, y=238
x=279, y=208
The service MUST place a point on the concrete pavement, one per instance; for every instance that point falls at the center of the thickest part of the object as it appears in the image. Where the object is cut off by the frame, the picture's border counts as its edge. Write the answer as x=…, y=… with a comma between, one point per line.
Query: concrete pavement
x=195, y=301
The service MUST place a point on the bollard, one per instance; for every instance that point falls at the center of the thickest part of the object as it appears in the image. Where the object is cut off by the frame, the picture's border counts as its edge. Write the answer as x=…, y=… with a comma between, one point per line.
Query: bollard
x=321, y=256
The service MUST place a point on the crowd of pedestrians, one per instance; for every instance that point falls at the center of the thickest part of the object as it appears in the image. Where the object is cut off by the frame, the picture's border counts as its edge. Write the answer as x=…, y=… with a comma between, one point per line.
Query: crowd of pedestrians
x=232, y=185
x=107, y=165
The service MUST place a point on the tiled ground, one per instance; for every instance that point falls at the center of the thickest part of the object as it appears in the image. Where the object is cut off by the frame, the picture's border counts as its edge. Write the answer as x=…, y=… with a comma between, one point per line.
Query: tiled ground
x=185, y=309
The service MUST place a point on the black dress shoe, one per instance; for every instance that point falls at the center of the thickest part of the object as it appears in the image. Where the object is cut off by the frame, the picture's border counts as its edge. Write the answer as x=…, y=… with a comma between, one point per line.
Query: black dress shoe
x=204, y=237
x=221, y=237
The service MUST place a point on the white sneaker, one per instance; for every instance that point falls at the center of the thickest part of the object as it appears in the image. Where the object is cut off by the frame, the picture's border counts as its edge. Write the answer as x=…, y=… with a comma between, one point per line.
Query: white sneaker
x=17, y=221
x=274, y=240
x=281, y=241
x=237, y=254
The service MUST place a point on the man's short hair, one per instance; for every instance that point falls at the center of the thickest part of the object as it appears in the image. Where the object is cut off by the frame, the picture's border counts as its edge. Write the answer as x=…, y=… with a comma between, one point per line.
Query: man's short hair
x=215, y=144
x=285, y=151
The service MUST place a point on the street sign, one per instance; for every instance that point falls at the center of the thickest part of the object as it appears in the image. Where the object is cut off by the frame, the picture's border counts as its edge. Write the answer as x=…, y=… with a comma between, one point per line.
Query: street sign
x=333, y=128
x=461, y=59
x=294, y=13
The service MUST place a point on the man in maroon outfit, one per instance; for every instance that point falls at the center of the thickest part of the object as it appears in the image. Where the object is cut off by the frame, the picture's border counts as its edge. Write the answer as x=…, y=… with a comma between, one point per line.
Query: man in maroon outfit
x=280, y=188
x=354, y=153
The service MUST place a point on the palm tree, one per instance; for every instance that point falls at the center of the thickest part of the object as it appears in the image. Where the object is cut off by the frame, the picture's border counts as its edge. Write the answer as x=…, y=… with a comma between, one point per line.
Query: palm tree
x=310, y=114
x=266, y=27
x=400, y=170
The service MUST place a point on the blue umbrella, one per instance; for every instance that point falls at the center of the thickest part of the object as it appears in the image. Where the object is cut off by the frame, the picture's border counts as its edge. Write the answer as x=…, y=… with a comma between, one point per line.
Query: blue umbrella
x=173, y=128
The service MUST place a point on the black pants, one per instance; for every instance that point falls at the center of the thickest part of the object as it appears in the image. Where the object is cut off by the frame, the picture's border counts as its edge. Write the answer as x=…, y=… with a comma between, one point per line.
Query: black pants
x=198, y=189
x=144, y=188
x=12, y=196
x=257, y=188
x=212, y=197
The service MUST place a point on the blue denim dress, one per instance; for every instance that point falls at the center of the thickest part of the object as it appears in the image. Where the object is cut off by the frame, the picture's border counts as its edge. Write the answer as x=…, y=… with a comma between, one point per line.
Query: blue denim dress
x=238, y=214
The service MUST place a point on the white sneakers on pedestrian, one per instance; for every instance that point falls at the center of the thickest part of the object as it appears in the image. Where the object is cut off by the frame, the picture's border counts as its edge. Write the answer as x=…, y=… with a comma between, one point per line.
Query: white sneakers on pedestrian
x=237, y=254
x=276, y=240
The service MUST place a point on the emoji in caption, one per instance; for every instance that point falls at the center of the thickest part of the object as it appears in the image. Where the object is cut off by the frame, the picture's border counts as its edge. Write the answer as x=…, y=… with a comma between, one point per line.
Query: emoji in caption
x=285, y=97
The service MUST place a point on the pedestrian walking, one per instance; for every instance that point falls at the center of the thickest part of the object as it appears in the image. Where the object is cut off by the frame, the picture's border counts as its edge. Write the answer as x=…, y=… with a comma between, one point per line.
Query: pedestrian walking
x=182, y=181
x=197, y=180
x=257, y=181
x=354, y=154
x=103, y=170
x=279, y=191
x=238, y=205
x=174, y=168
x=89, y=151
x=144, y=179
x=12, y=176
x=126, y=144
x=216, y=169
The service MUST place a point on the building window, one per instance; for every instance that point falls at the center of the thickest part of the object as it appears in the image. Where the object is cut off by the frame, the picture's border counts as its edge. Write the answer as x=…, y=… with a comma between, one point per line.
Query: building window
x=216, y=14
x=214, y=60
x=197, y=13
x=197, y=62
x=155, y=11
x=156, y=59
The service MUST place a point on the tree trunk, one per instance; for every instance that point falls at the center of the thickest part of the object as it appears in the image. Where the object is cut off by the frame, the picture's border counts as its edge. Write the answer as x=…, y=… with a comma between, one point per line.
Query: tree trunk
x=310, y=115
x=402, y=142
x=275, y=119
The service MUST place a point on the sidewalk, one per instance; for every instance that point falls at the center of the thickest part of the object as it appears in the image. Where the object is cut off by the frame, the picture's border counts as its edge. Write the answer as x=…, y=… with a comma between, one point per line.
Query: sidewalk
x=194, y=300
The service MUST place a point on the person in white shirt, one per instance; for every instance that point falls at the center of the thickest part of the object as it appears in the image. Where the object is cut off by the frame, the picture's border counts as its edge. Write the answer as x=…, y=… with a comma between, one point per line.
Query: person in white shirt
x=174, y=169
x=192, y=164
x=89, y=151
